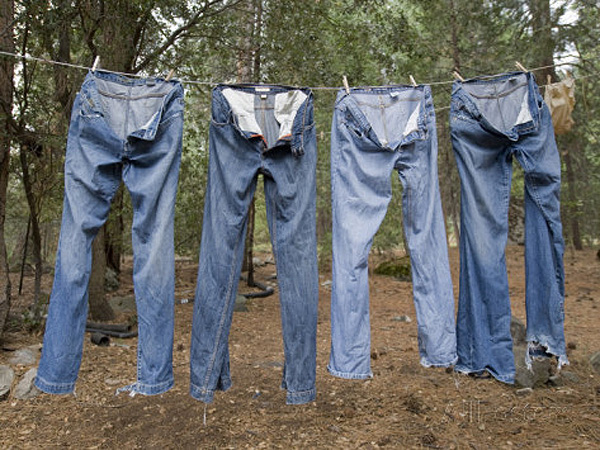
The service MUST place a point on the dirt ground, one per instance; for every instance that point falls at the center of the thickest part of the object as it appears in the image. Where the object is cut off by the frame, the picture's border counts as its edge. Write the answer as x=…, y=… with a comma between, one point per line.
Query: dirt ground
x=404, y=406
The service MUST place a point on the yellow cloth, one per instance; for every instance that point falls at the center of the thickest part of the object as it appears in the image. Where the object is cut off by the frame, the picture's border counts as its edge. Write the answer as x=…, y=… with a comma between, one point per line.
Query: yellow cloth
x=560, y=98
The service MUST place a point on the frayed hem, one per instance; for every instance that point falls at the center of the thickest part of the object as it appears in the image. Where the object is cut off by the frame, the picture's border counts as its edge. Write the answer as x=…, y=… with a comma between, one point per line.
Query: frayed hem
x=539, y=349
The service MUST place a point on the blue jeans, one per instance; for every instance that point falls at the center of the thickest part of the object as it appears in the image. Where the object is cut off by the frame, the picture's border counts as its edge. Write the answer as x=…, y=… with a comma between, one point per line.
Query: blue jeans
x=130, y=130
x=374, y=132
x=268, y=130
x=492, y=121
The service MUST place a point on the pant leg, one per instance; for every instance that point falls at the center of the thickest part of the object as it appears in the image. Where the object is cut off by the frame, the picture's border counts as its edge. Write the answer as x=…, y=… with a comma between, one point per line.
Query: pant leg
x=426, y=238
x=544, y=245
x=151, y=176
x=290, y=193
x=483, y=322
x=233, y=167
x=361, y=192
x=92, y=176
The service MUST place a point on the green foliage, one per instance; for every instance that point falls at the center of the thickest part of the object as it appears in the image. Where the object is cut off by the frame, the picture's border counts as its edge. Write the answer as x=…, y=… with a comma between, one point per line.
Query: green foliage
x=310, y=43
x=398, y=268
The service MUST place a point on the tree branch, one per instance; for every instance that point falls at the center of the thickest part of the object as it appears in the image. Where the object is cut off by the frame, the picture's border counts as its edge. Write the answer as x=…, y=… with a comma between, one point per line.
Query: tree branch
x=183, y=31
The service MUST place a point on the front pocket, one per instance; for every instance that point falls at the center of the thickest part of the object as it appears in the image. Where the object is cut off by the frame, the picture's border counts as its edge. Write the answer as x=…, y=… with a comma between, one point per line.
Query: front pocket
x=352, y=124
x=459, y=111
x=88, y=109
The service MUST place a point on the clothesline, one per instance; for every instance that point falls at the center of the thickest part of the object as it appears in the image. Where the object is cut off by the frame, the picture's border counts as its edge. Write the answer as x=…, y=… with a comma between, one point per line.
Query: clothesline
x=213, y=83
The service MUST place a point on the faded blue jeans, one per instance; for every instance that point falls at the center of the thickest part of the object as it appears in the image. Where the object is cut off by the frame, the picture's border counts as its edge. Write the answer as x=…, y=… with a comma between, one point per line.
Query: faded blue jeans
x=374, y=132
x=492, y=121
x=256, y=130
x=130, y=130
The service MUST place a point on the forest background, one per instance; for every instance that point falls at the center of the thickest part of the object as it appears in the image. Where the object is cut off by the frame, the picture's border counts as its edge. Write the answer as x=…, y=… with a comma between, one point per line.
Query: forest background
x=307, y=43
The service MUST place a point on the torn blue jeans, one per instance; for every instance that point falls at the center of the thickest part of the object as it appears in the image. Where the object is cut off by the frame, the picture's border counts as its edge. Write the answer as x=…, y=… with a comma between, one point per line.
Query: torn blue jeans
x=268, y=130
x=376, y=131
x=130, y=130
x=492, y=121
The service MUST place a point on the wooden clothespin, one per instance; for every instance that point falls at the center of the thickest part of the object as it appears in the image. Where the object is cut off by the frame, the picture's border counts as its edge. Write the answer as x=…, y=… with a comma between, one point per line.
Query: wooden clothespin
x=346, y=86
x=171, y=73
x=521, y=67
x=96, y=62
x=457, y=75
x=412, y=80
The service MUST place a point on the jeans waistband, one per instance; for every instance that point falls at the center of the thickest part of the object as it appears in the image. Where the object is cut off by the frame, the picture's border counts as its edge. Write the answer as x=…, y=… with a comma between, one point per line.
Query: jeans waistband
x=118, y=87
x=499, y=87
x=423, y=95
x=234, y=104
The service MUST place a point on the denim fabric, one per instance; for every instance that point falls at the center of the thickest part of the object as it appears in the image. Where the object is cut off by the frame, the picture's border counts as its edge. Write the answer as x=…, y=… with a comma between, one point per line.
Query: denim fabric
x=130, y=130
x=376, y=131
x=492, y=121
x=268, y=130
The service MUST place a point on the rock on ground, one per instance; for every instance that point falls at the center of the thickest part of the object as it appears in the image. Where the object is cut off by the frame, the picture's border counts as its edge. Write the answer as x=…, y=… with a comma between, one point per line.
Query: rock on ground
x=7, y=376
x=595, y=361
x=517, y=331
x=24, y=357
x=537, y=376
x=25, y=389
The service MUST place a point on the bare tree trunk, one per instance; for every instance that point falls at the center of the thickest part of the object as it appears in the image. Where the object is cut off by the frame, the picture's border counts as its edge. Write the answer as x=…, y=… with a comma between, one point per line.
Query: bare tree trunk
x=114, y=229
x=449, y=183
x=6, y=95
x=36, y=307
x=100, y=309
x=541, y=24
x=572, y=209
x=118, y=53
x=454, y=37
x=248, y=67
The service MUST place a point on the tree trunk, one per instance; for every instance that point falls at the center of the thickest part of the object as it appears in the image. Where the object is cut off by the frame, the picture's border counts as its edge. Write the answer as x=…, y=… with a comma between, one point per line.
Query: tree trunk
x=6, y=94
x=449, y=184
x=454, y=37
x=36, y=306
x=248, y=67
x=100, y=309
x=114, y=229
x=541, y=25
x=118, y=53
x=572, y=208
x=542, y=39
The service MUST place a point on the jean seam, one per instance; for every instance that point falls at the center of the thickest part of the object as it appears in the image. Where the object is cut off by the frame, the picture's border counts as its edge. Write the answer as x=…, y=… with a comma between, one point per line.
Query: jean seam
x=538, y=203
x=222, y=321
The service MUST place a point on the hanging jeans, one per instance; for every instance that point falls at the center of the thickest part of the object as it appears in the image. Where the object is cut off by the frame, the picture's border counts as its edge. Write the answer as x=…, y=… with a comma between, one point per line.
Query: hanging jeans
x=268, y=130
x=376, y=131
x=492, y=121
x=130, y=130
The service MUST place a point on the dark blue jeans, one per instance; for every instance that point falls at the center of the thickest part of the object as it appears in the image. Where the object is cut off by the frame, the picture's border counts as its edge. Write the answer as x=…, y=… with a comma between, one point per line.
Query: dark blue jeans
x=268, y=130
x=492, y=121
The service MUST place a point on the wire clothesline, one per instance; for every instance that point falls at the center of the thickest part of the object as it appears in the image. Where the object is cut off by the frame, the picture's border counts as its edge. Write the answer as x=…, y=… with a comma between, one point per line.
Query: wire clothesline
x=213, y=83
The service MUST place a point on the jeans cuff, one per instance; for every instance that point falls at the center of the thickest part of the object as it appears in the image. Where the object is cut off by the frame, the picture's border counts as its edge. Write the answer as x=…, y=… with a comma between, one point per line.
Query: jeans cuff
x=53, y=388
x=207, y=395
x=147, y=389
x=301, y=397
x=448, y=361
x=508, y=379
x=348, y=375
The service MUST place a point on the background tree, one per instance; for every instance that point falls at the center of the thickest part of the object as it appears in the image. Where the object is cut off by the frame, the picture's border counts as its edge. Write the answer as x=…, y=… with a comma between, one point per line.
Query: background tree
x=6, y=82
x=289, y=42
